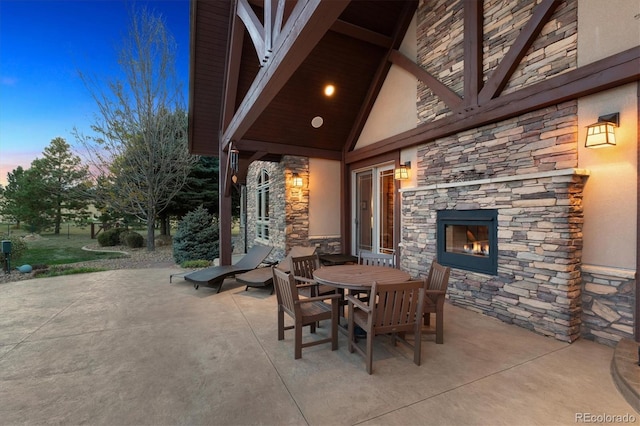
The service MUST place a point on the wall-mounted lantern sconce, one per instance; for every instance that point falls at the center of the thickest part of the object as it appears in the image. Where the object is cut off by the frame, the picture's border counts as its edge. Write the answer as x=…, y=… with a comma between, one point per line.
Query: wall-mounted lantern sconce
x=297, y=181
x=603, y=133
x=402, y=172
x=234, y=161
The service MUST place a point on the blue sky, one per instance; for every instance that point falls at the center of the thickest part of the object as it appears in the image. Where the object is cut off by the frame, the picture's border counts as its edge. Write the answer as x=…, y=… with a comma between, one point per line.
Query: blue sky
x=43, y=45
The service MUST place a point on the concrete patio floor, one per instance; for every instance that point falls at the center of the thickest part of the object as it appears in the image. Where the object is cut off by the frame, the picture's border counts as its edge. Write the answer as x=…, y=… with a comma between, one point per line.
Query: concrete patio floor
x=127, y=347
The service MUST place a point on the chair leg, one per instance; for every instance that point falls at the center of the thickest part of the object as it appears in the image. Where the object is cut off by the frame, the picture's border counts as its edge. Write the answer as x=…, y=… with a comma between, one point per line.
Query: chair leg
x=369, y=353
x=427, y=318
x=417, y=345
x=280, y=325
x=335, y=319
x=351, y=326
x=298, y=339
x=439, y=326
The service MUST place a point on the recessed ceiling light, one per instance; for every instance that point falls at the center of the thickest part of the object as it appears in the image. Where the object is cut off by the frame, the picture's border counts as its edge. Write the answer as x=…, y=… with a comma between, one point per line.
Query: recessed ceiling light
x=329, y=90
x=317, y=122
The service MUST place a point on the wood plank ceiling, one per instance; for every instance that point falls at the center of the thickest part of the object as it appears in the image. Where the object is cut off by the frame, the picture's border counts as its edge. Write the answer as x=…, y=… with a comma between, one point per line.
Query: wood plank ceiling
x=352, y=56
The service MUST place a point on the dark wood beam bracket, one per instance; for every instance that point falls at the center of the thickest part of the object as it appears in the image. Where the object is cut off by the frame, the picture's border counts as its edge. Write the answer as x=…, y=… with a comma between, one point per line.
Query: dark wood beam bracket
x=616, y=70
x=500, y=77
x=473, y=35
x=254, y=27
x=448, y=96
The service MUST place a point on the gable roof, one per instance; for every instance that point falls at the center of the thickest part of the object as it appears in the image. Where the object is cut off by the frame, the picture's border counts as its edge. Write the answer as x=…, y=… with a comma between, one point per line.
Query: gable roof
x=352, y=54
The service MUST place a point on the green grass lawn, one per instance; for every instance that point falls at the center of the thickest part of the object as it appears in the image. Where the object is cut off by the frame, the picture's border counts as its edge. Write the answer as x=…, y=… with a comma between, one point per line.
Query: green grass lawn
x=66, y=247
x=61, y=255
x=52, y=249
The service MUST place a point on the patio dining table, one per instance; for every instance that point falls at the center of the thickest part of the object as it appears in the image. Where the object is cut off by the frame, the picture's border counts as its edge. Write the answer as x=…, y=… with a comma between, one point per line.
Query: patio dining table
x=358, y=277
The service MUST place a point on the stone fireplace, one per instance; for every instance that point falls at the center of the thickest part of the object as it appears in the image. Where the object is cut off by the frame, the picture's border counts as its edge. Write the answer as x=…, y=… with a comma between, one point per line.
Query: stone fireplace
x=468, y=239
x=537, y=281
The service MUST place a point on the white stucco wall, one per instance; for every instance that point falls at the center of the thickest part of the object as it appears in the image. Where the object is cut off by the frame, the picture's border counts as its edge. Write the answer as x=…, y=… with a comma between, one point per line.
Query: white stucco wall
x=395, y=108
x=324, y=198
x=610, y=196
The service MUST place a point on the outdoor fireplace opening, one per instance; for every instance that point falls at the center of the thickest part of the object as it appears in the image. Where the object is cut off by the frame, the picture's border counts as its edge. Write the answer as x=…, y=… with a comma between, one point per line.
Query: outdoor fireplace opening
x=467, y=239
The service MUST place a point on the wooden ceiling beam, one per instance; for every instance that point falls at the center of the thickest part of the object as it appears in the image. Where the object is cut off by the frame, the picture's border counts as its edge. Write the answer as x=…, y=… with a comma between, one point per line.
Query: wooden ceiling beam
x=613, y=71
x=448, y=96
x=306, y=26
x=362, y=34
x=256, y=156
x=284, y=149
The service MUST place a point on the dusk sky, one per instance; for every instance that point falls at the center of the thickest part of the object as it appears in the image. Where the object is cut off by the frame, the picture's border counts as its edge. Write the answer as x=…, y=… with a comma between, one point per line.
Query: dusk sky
x=43, y=45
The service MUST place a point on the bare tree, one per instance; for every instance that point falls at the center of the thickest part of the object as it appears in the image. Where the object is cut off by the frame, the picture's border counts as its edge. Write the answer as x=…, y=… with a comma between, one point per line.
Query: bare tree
x=139, y=148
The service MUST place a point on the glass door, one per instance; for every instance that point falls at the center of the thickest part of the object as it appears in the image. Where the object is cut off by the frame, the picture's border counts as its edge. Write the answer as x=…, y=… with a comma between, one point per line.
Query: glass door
x=373, y=209
x=364, y=211
x=386, y=189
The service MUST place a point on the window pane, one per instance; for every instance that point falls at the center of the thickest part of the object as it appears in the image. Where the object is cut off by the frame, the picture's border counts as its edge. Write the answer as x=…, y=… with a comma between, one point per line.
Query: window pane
x=262, y=208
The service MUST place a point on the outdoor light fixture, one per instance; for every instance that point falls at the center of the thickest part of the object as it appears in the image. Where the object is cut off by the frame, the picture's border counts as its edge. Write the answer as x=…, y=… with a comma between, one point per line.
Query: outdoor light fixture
x=329, y=90
x=402, y=172
x=603, y=133
x=297, y=181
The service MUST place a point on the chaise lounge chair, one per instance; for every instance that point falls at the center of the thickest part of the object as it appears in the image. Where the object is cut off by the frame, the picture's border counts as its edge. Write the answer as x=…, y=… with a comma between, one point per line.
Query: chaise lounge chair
x=215, y=275
x=263, y=277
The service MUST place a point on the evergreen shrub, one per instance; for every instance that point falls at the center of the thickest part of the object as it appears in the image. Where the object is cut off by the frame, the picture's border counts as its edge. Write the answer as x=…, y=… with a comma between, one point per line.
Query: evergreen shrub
x=123, y=237
x=110, y=237
x=133, y=239
x=196, y=237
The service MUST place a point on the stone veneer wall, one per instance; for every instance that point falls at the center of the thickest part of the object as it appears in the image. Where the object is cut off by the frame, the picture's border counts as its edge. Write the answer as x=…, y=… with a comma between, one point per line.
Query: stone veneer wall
x=441, y=49
x=608, y=302
x=288, y=208
x=524, y=167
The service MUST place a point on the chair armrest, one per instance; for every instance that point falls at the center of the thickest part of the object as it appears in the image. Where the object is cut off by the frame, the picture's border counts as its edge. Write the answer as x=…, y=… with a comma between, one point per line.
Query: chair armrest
x=435, y=292
x=320, y=298
x=307, y=285
x=305, y=280
x=357, y=302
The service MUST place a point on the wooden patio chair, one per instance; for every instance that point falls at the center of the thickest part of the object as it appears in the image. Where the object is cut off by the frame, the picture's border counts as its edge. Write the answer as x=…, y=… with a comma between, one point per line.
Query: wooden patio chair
x=302, y=268
x=306, y=311
x=392, y=309
x=435, y=294
x=366, y=257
